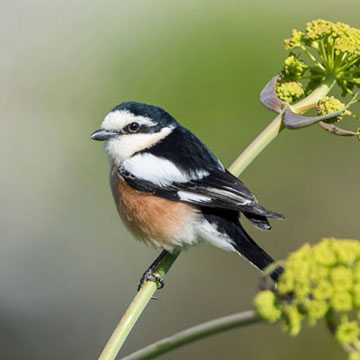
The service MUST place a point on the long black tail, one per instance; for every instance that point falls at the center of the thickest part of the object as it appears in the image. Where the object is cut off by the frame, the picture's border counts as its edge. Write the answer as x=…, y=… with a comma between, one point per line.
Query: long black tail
x=248, y=248
x=227, y=221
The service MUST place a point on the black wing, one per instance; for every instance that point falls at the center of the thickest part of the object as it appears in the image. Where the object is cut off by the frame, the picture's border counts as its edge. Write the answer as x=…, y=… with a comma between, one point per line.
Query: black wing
x=219, y=189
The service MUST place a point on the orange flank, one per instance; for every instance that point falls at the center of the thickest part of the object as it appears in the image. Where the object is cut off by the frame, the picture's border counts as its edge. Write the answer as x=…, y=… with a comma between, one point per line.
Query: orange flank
x=153, y=219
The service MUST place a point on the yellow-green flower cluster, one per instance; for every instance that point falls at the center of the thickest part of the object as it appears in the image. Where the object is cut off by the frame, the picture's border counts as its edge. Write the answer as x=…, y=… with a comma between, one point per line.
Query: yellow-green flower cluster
x=343, y=37
x=354, y=355
x=267, y=307
x=289, y=91
x=293, y=67
x=333, y=49
x=296, y=40
x=328, y=105
x=319, y=281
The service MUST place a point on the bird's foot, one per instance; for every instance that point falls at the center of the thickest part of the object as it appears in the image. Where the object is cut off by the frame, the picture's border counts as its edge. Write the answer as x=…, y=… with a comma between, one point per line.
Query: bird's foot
x=149, y=275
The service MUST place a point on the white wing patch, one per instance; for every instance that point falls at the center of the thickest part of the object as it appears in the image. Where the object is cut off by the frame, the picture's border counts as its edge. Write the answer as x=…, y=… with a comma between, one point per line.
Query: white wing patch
x=230, y=195
x=188, y=196
x=199, y=174
x=117, y=120
x=158, y=170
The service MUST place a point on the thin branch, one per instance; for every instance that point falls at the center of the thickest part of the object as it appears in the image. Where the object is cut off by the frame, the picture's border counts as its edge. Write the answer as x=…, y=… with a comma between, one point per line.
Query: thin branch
x=276, y=126
x=195, y=333
x=257, y=146
x=135, y=309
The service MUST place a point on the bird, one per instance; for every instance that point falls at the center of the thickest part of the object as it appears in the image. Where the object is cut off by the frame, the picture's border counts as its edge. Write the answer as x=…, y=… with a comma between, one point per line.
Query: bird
x=172, y=192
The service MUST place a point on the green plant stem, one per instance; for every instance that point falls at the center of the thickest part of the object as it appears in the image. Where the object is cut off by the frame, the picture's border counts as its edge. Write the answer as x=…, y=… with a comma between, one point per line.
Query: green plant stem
x=195, y=333
x=143, y=296
x=135, y=309
x=257, y=146
x=276, y=126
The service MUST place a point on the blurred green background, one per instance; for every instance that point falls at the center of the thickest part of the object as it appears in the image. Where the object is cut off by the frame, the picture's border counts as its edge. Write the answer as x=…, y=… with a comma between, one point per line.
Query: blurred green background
x=68, y=268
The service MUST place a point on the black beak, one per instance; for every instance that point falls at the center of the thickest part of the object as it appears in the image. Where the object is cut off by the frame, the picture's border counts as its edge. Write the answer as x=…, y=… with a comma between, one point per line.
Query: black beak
x=102, y=135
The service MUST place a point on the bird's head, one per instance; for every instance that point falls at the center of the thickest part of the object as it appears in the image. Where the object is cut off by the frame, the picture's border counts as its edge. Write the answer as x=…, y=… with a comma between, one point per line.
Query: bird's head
x=132, y=127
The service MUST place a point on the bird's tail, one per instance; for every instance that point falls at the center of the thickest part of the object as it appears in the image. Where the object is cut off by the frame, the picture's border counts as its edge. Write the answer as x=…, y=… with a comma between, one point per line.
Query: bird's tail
x=248, y=248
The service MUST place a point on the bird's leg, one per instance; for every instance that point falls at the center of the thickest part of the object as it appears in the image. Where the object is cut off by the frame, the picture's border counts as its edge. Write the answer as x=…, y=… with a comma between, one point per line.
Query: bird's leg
x=149, y=273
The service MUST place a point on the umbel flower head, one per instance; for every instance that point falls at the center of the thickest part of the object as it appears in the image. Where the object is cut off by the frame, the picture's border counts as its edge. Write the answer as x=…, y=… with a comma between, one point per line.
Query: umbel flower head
x=324, y=55
x=332, y=49
x=328, y=105
x=289, y=91
x=319, y=282
x=332, y=105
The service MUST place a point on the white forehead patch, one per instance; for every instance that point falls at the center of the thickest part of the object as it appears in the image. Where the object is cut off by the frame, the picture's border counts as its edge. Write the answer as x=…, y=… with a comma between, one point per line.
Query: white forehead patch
x=124, y=146
x=117, y=120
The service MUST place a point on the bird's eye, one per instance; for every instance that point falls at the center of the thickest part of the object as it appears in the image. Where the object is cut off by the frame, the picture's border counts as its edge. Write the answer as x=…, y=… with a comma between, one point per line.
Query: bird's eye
x=133, y=127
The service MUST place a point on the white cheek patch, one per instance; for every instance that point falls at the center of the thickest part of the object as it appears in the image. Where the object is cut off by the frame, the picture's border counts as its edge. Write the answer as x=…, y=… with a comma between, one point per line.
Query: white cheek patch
x=117, y=120
x=188, y=196
x=124, y=146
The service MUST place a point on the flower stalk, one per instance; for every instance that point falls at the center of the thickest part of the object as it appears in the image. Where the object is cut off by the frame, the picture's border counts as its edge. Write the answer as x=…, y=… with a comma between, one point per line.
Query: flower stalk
x=195, y=333
x=276, y=126
x=135, y=309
